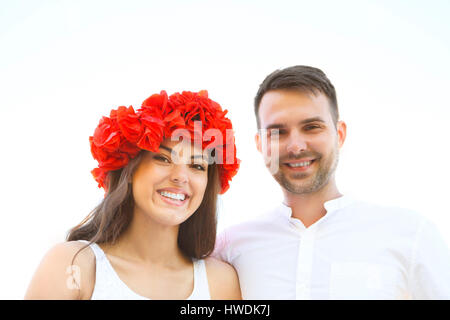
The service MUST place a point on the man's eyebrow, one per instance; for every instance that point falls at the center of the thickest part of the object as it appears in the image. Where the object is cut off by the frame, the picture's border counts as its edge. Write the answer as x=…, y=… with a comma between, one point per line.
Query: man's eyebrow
x=313, y=119
x=304, y=121
x=275, y=126
x=195, y=156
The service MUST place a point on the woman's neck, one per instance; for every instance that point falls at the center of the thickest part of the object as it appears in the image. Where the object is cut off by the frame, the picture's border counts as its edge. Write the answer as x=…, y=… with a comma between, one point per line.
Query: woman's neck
x=149, y=242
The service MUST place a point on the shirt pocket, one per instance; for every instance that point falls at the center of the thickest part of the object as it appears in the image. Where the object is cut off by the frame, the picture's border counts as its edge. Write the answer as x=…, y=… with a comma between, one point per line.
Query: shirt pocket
x=364, y=281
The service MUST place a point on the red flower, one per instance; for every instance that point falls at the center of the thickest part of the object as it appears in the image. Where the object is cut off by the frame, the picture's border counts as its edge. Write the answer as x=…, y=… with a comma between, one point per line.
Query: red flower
x=158, y=101
x=100, y=176
x=173, y=121
x=125, y=133
x=129, y=124
x=153, y=133
x=106, y=135
x=115, y=161
x=150, y=140
x=129, y=148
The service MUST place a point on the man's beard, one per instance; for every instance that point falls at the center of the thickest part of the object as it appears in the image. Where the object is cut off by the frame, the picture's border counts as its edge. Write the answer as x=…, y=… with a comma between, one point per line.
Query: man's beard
x=304, y=183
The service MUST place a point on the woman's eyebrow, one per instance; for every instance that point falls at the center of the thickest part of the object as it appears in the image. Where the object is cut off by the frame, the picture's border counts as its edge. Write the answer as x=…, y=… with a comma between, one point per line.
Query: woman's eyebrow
x=196, y=156
x=166, y=148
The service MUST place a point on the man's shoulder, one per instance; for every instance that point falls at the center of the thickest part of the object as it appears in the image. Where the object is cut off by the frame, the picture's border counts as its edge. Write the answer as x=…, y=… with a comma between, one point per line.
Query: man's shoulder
x=246, y=235
x=385, y=208
x=257, y=223
x=389, y=213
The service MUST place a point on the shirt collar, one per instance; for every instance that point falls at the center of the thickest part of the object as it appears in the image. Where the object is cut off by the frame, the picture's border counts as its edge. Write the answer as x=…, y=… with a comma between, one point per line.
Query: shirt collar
x=330, y=205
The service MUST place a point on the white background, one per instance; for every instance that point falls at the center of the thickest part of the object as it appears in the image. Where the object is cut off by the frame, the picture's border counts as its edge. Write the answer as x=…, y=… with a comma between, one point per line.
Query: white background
x=64, y=64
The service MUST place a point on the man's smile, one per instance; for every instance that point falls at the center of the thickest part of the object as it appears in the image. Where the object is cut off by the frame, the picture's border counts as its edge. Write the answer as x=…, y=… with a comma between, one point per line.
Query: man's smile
x=299, y=165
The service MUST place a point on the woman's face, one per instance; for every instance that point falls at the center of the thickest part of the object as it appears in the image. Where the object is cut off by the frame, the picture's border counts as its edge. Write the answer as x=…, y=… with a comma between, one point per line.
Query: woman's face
x=168, y=186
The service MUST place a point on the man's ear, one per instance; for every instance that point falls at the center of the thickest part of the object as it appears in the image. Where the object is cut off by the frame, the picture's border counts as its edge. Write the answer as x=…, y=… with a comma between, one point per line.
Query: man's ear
x=342, y=132
x=258, y=142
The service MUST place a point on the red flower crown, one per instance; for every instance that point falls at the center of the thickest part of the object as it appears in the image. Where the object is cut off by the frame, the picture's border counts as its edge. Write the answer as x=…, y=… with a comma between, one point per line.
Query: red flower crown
x=125, y=133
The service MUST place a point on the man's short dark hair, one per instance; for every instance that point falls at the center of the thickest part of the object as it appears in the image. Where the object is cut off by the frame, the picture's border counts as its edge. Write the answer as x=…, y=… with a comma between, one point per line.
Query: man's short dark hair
x=304, y=79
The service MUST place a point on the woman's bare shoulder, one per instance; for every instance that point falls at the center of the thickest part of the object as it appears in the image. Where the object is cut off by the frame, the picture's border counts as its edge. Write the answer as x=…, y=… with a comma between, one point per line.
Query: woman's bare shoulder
x=223, y=280
x=74, y=253
x=65, y=272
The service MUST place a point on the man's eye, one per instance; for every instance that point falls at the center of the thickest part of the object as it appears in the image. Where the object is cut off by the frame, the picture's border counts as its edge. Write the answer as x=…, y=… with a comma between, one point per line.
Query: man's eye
x=312, y=127
x=275, y=132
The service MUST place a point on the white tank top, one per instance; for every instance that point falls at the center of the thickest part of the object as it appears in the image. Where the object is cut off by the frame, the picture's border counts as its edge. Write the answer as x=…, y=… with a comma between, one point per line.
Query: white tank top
x=108, y=285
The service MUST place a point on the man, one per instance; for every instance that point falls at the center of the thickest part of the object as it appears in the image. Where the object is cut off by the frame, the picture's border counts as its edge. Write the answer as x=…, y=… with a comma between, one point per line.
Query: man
x=319, y=244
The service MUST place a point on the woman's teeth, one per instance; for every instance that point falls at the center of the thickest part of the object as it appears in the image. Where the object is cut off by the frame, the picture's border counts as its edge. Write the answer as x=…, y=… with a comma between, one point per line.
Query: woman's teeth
x=175, y=196
x=300, y=164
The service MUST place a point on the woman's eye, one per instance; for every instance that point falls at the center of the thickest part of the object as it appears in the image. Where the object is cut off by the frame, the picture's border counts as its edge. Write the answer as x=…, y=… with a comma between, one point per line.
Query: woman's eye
x=199, y=167
x=162, y=159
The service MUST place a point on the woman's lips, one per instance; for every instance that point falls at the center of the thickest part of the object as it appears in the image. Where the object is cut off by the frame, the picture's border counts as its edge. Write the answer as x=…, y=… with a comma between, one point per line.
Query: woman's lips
x=173, y=202
x=174, y=190
x=173, y=196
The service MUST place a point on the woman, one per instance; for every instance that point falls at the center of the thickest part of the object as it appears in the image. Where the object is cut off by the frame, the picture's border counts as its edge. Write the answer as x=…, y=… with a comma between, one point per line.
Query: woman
x=151, y=236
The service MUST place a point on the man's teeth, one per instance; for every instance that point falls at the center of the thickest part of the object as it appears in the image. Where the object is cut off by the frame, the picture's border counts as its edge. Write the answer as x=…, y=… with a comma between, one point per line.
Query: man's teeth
x=300, y=164
x=175, y=196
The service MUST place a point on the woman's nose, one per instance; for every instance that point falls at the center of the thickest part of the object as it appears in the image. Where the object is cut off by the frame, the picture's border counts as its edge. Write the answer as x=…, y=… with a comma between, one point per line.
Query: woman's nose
x=296, y=143
x=179, y=174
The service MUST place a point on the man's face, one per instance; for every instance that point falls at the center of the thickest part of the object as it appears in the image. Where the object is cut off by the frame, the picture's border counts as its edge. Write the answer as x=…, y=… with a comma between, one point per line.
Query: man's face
x=308, y=140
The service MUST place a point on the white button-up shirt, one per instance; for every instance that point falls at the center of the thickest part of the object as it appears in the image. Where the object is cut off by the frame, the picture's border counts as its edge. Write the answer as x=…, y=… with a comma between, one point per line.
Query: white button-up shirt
x=356, y=251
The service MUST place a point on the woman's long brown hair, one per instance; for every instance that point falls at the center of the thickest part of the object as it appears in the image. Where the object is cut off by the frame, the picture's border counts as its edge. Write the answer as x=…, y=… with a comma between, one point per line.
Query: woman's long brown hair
x=104, y=224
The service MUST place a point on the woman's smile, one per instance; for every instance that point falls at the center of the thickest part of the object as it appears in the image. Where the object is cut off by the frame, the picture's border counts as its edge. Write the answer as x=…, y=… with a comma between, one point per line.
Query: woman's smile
x=170, y=191
x=173, y=196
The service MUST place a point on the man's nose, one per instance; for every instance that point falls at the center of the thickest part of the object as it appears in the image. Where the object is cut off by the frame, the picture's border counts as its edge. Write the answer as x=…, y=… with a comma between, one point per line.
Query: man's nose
x=179, y=174
x=296, y=143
